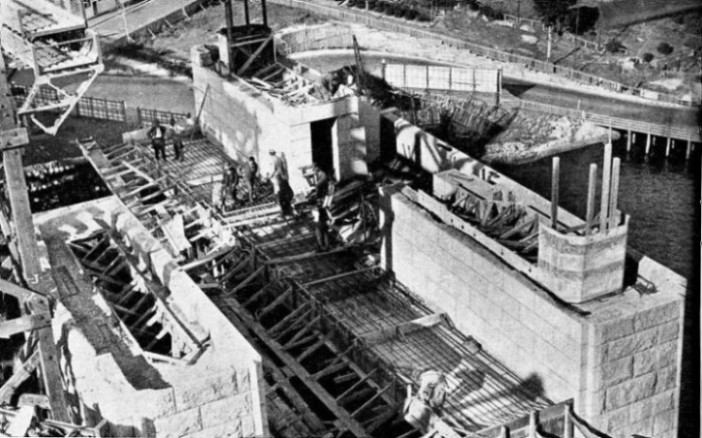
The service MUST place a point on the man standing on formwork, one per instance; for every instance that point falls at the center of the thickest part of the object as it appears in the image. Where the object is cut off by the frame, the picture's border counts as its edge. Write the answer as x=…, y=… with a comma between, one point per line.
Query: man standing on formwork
x=276, y=174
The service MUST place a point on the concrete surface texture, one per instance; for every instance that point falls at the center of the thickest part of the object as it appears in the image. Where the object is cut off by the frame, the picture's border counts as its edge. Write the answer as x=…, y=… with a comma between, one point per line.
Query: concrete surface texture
x=218, y=394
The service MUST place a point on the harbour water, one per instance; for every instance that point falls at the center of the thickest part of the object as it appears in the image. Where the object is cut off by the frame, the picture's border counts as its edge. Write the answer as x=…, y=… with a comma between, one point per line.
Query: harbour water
x=660, y=196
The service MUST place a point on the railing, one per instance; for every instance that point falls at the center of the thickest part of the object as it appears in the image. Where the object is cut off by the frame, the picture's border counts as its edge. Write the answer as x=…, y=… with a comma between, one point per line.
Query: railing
x=398, y=25
x=103, y=109
x=432, y=77
x=89, y=107
x=146, y=116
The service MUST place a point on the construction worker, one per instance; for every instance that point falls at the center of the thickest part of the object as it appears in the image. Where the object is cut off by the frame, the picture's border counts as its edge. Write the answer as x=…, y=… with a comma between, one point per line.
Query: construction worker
x=321, y=218
x=254, y=175
x=419, y=410
x=321, y=183
x=177, y=140
x=157, y=134
x=244, y=171
x=229, y=185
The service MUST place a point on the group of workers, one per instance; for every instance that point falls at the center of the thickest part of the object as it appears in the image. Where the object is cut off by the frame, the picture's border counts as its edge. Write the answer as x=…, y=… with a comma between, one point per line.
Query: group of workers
x=247, y=175
x=175, y=132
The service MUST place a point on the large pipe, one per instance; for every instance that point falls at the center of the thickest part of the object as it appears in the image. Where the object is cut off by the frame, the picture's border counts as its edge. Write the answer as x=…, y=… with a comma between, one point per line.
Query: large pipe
x=555, y=173
x=590, y=198
x=613, y=197
x=606, y=178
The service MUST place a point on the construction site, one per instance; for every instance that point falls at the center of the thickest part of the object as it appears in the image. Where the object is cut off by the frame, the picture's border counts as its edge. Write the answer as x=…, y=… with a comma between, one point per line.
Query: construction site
x=376, y=279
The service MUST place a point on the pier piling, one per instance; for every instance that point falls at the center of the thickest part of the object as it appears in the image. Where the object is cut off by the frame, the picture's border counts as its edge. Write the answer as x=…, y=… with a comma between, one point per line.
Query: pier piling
x=688, y=150
x=606, y=178
x=648, y=143
x=628, y=141
x=614, y=195
x=667, y=147
x=590, y=198
x=555, y=174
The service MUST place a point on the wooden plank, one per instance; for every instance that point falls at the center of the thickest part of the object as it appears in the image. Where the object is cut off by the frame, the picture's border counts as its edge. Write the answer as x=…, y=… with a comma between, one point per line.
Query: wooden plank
x=246, y=282
x=24, y=323
x=18, y=292
x=21, y=374
x=254, y=55
x=275, y=303
x=20, y=424
x=352, y=425
x=404, y=328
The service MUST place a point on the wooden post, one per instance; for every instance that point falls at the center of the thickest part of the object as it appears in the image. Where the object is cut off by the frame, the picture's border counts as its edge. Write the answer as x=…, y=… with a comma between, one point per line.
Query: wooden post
x=32, y=271
x=567, y=424
x=614, y=195
x=532, y=425
x=628, y=140
x=648, y=143
x=667, y=147
x=555, y=173
x=606, y=178
x=592, y=180
x=688, y=150
x=384, y=65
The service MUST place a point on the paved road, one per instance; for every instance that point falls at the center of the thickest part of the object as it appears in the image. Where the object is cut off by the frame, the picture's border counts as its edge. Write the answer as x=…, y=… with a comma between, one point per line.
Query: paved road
x=602, y=104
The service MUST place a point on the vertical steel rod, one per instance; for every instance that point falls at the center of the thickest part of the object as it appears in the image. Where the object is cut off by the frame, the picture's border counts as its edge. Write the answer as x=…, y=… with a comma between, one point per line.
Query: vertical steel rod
x=614, y=195
x=555, y=173
x=592, y=181
x=606, y=178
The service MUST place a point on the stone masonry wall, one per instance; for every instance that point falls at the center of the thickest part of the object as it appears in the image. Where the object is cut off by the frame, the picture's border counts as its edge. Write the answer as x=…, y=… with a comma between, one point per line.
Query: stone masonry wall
x=618, y=356
x=486, y=299
x=219, y=394
x=636, y=350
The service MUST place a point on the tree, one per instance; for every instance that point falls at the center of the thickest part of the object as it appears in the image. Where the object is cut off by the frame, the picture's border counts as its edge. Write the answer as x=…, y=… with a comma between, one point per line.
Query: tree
x=553, y=11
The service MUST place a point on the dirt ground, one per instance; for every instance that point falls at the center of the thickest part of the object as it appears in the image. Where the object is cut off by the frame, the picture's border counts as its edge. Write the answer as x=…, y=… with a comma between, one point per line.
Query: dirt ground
x=43, y=147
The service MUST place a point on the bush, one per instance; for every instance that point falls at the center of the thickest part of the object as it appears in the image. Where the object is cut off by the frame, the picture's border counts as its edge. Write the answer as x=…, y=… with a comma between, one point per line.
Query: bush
x=473, y=5
x=664, y=48
x=614, y=46
x=423, y=17
x=647, y=57
x=411, y=14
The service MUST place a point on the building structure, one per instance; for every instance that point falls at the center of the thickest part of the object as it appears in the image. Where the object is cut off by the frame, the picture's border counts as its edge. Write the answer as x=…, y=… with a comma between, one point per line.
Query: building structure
x=178, y=319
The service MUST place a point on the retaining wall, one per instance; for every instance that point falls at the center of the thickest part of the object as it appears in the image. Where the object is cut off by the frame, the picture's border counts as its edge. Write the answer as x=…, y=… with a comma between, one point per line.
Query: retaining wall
x=619, y=356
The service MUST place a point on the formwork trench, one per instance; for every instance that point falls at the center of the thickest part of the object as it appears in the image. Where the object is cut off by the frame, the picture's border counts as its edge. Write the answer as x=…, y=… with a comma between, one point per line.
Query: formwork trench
x=135, y=300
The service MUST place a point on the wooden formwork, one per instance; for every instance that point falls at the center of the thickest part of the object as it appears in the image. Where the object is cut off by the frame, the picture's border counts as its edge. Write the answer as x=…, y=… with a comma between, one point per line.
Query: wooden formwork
x=340, y=342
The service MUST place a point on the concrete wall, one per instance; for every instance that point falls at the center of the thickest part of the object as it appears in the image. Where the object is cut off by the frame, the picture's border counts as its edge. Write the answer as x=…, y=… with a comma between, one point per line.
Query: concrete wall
x=635, y=351
x=619, y=356
x=249, y=123
x=219, y=394
x=487, y=299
